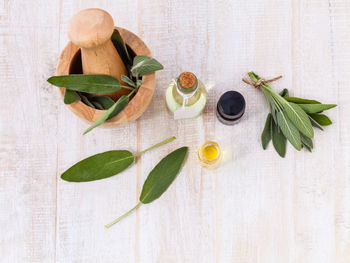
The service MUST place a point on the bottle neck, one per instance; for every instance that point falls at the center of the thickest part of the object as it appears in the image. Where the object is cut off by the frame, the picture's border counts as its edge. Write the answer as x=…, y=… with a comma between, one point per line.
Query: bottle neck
x=186, y=90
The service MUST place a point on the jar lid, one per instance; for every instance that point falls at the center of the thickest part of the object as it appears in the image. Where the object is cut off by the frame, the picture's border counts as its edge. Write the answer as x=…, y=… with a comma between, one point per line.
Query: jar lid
x=231, y=105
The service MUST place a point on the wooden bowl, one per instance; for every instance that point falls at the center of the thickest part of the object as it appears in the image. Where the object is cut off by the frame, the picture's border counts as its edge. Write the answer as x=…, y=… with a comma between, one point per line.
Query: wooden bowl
x=137, y=105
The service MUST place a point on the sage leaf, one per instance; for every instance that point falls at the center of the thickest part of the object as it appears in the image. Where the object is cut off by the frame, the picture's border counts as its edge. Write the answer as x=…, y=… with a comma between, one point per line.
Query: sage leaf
x=94, y=83
x=122, y=102
x=128, y=81
x=284, y=93
x=86, y=101
x=105, y=101
x=99, y=166
x=321, y=119
x=144, y=65
x=104, y=165
x=97, y=105
x=301, y=101
x=110, y=113
x=289, y=130
x=266, y=134
x=299, y=118
x=279, y=141
x=158, y=180
x=120, y=46
x=307, y=142
x=316, y=108
x=70, y=96
x=315, y=123
x=162, y=175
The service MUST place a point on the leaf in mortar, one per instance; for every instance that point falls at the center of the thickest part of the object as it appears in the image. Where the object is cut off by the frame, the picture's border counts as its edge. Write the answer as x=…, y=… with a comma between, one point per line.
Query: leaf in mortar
x=315, y=123
x=299, y=118
x=128, y=81
x=160, y=178
x=110, y=113
x=144, y=65
x=120, y=46
x=316, y=108
x=289, y=130
x=301, y=101
x=99, y=166
x=94, y=83
x=105, y=101
x=86, y=101
x=70, y=96
x=307, y=142
x=266, y=134
x=321, y=119
x=279, y=141
x=122, y=102
x=97, y=105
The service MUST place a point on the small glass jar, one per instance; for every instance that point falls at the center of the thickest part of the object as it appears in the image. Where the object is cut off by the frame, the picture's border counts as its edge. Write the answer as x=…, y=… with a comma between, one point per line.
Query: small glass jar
x=230, y=107
x=186, y=96
x=209, y=155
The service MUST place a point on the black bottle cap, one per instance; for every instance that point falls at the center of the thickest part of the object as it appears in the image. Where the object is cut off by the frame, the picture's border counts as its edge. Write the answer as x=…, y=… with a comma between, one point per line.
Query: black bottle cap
x=231, y=106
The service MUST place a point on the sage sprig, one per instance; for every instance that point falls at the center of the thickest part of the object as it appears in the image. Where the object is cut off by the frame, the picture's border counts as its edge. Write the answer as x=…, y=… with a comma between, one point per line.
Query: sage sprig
x=158, y=180
x=104, y=165
x=290, y=118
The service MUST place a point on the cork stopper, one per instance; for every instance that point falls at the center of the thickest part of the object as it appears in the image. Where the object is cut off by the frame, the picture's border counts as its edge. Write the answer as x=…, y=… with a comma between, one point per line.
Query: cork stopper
x=187, y=80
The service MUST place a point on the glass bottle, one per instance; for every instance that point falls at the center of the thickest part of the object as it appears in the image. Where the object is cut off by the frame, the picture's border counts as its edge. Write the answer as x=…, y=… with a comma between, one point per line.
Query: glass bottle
x=209, y=155
x=186, y=96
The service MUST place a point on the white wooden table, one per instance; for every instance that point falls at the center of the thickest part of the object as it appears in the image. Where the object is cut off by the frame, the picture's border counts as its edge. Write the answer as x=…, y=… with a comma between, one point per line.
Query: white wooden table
x=257, y=207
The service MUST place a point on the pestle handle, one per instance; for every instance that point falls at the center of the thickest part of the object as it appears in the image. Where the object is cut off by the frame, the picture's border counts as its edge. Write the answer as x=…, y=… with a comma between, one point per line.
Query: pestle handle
x=91, y=30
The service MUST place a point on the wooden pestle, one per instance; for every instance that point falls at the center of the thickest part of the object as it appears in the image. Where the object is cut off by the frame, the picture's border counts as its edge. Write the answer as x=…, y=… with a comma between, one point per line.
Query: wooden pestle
x=91, y=30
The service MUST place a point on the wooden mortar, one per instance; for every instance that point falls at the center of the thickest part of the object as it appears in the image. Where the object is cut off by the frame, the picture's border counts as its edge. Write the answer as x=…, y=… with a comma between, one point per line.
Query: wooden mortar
x=73, y=60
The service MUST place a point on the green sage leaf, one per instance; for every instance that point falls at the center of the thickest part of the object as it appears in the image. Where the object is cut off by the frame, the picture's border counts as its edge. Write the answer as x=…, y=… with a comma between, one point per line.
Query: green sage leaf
x=70, y=96
x=105, y=101
x=299, y=118
x=307, y=142
x=128, y=81
x=289, y=130
x=99, y=166
x=316, y=108
x=104, y=165
x=144, y=65
x=301, y=101
x=321, y=119
x=120, y=46
x=87, y=101
x=160, y=178
x=94, y=83
x=284, y=93
x=97, y=105
x=315, y=123
x=266, y=134
x=122, y=102
x=110, y=113
x=279, y=141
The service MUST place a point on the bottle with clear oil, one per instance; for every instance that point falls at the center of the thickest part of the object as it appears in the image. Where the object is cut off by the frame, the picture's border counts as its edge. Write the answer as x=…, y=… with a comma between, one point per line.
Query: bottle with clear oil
x=186, y=96
x=209, y=155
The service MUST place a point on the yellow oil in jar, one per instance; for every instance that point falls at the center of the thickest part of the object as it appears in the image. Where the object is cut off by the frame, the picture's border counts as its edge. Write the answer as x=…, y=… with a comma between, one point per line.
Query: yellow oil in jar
x=209, y=155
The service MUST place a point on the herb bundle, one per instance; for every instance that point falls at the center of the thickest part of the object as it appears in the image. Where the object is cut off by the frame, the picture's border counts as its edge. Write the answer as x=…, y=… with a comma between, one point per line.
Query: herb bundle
x=290, y=118
x=78, y=85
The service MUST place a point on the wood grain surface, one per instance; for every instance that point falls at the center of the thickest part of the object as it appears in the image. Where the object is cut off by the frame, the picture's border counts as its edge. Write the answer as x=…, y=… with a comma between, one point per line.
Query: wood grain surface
x=256, y=207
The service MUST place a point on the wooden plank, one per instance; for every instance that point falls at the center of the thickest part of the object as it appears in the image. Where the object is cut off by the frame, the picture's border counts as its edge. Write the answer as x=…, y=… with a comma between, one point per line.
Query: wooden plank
x=28, y=143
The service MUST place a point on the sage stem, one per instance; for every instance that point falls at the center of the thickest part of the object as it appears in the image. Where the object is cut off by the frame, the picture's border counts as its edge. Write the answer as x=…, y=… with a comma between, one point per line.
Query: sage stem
x=131, y=93
x=156, y=145
x=121, y=217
